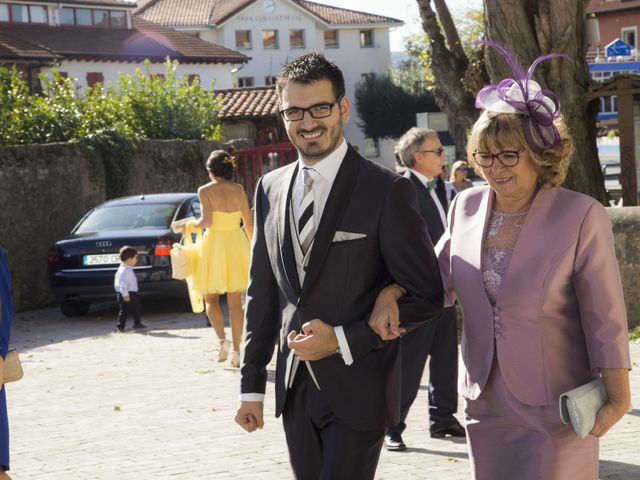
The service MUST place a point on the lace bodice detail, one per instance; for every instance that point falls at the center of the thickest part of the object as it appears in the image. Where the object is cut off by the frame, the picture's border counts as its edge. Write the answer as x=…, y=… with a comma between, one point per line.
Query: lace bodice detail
x=502, y=234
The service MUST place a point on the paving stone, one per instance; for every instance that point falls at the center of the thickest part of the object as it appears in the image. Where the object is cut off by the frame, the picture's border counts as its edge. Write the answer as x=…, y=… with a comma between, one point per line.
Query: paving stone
x=156, y=405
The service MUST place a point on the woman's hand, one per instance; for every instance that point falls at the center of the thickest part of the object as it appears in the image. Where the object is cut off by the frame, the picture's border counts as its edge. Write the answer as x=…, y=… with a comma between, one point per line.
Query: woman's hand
x=385, y=316
x=616, y=382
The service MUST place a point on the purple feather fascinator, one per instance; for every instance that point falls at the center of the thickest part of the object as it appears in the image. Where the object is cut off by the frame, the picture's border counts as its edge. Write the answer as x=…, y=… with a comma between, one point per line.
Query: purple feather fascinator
x=524, y=96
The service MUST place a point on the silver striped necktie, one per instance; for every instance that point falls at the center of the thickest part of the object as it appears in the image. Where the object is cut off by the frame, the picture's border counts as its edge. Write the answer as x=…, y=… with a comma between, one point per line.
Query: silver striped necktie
x=306, y=227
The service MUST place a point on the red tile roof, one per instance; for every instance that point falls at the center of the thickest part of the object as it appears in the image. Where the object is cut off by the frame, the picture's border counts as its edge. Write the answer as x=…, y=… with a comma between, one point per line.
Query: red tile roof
x=600, y=6
x=14, y=49
x=214, y=12
x=106, y=3
x=252, y=102
x=145, y=40
x=342, y=16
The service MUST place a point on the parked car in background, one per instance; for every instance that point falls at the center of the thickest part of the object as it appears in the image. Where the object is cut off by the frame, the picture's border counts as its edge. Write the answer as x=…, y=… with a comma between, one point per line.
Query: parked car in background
x=83, y=264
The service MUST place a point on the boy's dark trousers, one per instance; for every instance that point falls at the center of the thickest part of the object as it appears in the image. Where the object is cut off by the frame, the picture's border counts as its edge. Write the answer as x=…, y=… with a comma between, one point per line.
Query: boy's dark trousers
x=132, y=307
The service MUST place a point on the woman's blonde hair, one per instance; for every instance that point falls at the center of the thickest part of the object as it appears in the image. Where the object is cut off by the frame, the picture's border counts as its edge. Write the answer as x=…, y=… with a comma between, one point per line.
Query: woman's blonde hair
x=491, y=131
x=456, y=165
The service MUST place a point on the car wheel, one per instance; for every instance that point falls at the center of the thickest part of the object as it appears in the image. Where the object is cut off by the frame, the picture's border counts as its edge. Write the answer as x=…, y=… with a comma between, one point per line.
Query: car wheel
x=74, y=308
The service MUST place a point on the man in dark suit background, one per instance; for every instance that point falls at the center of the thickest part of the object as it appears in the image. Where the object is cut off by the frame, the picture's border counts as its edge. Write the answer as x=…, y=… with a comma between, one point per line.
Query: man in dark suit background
x=420, y=150
x=331, y=230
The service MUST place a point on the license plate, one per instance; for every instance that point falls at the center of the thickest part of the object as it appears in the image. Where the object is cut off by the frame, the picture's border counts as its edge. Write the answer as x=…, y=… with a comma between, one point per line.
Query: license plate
x=102, y=259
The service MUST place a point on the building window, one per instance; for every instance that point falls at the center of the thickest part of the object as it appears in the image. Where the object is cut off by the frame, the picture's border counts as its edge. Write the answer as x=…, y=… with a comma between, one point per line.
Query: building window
x=93, y=17
x=270, y=39
x=101, y=18
x=609, y=104
x=629, y=35
x=270, y=80
x=296, y=38
x=84, y=17
x=38, y=14
x=245, y=81
x=366, y=38
x=193, y=78
x=67, y=16
x=243, y=39
x=331, y=39
x=94, y=78
x=19, y=13
x=23, y=13
x=371, y=147
x=118, y=19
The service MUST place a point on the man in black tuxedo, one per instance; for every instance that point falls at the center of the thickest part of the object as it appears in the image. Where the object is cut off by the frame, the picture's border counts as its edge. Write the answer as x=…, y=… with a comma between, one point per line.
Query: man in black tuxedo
x=421, y=152
x=331, y=230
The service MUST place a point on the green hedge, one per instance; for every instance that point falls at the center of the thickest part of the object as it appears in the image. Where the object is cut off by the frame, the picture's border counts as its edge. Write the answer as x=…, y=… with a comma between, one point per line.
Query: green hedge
x=138, y=106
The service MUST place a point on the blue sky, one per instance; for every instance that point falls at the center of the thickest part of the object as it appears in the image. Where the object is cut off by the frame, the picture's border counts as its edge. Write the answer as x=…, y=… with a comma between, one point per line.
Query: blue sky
x=406, y=10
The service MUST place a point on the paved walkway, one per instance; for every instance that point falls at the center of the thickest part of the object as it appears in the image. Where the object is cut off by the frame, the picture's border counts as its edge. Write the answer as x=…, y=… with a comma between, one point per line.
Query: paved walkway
x=156, y=405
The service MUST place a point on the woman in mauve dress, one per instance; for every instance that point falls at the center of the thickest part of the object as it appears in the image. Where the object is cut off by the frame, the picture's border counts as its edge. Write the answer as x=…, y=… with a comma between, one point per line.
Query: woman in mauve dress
x=534, y=268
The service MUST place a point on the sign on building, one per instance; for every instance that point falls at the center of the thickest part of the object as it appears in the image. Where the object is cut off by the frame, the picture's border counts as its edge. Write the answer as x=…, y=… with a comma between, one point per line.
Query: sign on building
x=618, y=48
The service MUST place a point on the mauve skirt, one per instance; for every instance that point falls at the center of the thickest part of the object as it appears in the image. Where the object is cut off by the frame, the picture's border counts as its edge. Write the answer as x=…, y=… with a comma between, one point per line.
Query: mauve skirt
x=509, y=440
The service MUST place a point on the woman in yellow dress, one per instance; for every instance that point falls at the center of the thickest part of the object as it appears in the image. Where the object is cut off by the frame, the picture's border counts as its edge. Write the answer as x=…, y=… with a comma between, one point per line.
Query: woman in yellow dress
x=223, y=264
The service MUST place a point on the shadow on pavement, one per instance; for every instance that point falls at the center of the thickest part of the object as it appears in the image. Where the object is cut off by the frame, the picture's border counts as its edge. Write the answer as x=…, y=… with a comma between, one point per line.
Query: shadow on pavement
x=48, y=326
x=438, y=452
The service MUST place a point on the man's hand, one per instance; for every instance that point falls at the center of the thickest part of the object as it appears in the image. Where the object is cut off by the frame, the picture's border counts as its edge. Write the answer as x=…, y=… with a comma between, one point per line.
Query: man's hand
x=249, y=416
x=385, y=316
x=126, y=298
x=317, y=341
x=1, y=370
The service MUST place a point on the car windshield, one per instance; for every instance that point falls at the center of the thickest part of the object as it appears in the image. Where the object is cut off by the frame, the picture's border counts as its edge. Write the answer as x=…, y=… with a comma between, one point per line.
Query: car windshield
x=128, y=217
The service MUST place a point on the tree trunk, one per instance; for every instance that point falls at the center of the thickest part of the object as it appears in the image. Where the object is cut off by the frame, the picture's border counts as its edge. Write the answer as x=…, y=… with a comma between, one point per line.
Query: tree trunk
x=448, y=66
x=531, y=28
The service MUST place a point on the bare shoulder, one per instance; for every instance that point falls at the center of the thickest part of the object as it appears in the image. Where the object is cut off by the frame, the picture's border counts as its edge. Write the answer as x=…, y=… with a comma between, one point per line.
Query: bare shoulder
x=206, y=187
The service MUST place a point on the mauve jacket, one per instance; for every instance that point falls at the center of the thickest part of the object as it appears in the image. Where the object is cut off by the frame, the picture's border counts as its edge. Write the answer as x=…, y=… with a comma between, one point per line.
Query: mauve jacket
x=559, y=312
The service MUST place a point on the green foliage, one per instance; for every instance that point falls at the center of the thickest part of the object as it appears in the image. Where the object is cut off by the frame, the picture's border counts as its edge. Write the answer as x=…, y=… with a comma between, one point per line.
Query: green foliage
x=110, y=153
x=139, y=106
x=470, y=26
x=634, y=334
x=386, y=109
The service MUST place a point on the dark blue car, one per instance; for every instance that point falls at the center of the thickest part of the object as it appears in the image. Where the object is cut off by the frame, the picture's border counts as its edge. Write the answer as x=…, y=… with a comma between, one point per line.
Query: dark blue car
x=82, y=265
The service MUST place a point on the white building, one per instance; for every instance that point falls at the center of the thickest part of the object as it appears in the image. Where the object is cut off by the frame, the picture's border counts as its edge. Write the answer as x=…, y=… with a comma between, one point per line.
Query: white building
x=273, y=32
x=94, y=40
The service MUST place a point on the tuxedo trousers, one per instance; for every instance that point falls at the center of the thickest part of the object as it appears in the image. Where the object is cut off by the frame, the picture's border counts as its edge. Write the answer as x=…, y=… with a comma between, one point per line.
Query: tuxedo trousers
x=439, y=340
x=321, y=446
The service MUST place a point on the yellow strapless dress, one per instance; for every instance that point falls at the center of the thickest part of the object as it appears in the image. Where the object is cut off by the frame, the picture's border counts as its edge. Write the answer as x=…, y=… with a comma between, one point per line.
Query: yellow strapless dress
x=223, y=263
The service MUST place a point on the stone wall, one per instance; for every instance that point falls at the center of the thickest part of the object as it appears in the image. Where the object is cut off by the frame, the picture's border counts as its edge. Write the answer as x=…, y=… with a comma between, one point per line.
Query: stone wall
x=46, y=189
x=626, y=230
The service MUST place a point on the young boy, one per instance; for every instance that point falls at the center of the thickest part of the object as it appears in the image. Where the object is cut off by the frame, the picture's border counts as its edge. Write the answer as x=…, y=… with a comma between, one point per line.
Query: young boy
x=126, y=286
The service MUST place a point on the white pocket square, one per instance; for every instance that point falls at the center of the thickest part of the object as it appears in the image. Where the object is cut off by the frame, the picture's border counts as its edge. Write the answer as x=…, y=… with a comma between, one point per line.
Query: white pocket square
x=346, y=236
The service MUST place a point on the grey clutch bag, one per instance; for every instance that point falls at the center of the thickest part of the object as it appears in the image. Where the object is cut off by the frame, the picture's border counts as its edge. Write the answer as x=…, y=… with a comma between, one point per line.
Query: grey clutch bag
x=580, y=406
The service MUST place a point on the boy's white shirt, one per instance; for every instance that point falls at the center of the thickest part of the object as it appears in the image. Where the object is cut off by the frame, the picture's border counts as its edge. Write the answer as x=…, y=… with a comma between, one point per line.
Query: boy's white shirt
x=125, y=280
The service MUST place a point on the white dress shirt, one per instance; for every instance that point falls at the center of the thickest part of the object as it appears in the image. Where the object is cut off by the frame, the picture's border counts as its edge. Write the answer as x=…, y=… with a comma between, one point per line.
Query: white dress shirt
x=125, y=280
x=434, y=195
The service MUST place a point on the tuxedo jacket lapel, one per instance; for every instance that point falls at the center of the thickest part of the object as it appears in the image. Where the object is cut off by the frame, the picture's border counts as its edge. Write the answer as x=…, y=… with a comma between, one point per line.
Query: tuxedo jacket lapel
x=285, y=241
x=332, y=213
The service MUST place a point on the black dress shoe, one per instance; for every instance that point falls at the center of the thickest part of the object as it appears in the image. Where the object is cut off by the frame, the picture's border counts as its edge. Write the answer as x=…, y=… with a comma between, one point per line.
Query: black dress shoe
x=454, y=430
x=393, y=442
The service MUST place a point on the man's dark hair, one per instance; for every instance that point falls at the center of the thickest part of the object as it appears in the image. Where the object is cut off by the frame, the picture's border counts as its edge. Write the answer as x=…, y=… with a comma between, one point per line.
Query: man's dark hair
x=309, y=68
x=220, y=164
x=127, y=252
